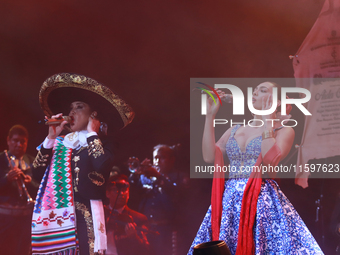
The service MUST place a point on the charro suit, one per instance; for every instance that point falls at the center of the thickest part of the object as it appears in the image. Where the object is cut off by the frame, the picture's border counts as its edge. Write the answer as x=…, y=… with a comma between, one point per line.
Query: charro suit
x=90, y=168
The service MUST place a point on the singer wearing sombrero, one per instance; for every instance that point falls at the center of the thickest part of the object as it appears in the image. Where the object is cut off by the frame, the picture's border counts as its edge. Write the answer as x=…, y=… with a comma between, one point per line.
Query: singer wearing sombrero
x=68, y=215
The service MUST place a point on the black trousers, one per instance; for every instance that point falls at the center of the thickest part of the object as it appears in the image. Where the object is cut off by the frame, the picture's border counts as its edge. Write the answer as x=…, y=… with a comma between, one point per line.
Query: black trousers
x=84, y=228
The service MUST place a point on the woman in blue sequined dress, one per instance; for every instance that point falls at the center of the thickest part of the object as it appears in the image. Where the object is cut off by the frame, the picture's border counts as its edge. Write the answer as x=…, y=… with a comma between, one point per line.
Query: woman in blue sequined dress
x=278, y=229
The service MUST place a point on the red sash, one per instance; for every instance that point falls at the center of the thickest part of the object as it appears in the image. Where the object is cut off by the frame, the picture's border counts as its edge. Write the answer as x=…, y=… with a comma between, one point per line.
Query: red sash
x=245, y=244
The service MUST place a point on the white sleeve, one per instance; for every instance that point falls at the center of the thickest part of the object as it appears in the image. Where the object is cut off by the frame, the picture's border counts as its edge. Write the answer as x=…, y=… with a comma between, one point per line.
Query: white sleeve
x=48, y=143
x=91, y=134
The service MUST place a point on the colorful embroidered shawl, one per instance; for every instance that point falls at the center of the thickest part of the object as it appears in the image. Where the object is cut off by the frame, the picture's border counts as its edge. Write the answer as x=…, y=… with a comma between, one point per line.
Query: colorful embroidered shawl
x=53, y=222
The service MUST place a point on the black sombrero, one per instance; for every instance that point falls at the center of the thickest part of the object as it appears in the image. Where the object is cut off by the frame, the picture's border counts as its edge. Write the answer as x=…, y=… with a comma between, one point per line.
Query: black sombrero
x=60, y=90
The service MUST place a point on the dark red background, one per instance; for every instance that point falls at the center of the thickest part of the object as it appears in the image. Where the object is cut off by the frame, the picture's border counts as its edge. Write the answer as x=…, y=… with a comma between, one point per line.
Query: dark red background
x=146, y=51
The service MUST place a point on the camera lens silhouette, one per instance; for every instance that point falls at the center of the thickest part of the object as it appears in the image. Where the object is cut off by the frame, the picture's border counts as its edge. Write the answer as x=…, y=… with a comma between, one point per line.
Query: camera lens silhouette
x=212, y=248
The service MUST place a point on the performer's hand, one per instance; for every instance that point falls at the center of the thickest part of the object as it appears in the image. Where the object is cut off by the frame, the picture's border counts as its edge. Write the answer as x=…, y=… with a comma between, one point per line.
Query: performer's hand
x=143, y=238
x=130, y=229
x=27, y=179
x=147, y=169
x=213, y=108
x=93, y=125
x=55, y=130
x=151, y=172
x=14, y=174
x=146, y=162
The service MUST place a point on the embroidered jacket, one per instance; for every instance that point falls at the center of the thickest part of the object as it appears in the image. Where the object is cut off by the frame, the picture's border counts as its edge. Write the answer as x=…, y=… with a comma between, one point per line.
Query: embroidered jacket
x=90, y=166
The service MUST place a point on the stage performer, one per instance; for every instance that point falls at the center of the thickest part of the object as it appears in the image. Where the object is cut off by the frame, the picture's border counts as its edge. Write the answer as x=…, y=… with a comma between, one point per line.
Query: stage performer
x=248, y=212
x=161, y=187
x=126, y=229
x=16, y=204
x=68, y=215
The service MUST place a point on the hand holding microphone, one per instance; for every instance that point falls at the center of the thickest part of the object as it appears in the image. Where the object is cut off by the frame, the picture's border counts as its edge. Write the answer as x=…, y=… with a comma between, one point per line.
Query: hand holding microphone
x=214, y=99
x=56, y=124
x=57, y=121
x=228, y=98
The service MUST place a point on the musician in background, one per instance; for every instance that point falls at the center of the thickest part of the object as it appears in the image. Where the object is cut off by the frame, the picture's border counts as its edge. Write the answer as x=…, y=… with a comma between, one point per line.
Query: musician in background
x=162, y=187
x=15, y=208
x=125, y=228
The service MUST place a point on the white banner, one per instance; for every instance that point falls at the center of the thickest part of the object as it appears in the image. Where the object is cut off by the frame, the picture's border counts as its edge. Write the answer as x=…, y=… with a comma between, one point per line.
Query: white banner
x=319, y=58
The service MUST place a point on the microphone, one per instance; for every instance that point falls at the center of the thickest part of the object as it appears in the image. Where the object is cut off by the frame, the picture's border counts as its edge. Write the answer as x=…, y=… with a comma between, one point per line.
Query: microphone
x=58, y=121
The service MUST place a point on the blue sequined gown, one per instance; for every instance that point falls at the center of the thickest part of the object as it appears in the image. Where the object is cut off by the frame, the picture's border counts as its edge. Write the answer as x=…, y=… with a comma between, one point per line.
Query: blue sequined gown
x=278, y=228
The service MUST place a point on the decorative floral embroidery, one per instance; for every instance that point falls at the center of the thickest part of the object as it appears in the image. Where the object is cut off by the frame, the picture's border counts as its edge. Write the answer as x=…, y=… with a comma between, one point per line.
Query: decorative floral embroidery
x=60, y=222
x=72, y=136
x=40, y=160
x=89, y=224
x=52, y=218
x=76, y=158
x=98, y=88
x=102, y=227
x=77, y=169
x=58, y=78
x=52, y=215
x=95, y=148
x=78, y=79
x=96, y=178
x=65, y=213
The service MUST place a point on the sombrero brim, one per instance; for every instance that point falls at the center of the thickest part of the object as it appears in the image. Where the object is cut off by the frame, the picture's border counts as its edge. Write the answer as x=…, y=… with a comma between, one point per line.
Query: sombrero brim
x=60, y=90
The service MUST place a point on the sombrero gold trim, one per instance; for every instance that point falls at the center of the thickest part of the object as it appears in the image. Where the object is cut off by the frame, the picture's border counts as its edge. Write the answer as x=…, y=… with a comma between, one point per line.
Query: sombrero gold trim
x=68, y=80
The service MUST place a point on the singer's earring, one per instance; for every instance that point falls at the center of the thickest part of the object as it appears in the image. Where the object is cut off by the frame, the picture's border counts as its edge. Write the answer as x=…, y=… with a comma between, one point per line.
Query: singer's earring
x=93, y=115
